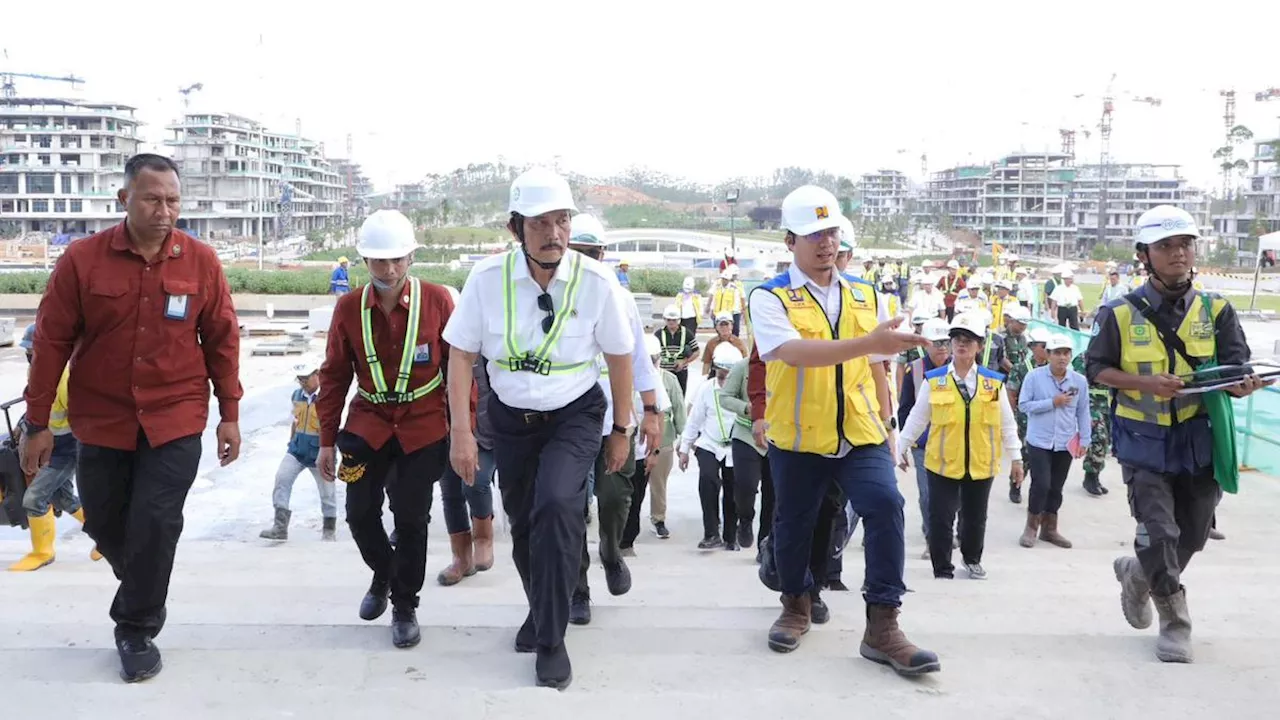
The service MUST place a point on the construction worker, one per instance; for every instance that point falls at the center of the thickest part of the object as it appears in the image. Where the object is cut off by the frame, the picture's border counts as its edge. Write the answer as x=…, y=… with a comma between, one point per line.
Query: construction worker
x=1095, y=457
x=1066, y=301
x=143, y=313
x=726, y=298
x=724, y=335
x=951, y=284
x=1000, y=301
x=623, y=274
x=910, y=355
x=847, y=243
x=613, y=489
x=690, y=304
x=1024, y=289
x=815, y=324
x=339, y=280
x=1055, y=400
x=1142, y=347
x=1034, y=356
x=53, y=487
x=750, y=466
x=543, y=315
x=657, y=460
x=396, y=427
x=1113, y=290
x=679, y=345
x=938, y=333
x=302, y=453
x=966, y=410
x=710, y=428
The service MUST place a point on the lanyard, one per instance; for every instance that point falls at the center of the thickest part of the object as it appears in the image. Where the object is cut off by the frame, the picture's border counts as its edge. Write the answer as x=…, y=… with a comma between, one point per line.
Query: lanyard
x=538, y=361
x=401, y=392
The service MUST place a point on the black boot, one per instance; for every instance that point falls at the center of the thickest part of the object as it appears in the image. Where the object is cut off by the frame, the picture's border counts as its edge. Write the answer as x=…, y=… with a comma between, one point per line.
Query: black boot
x=404, y=628
x=819, y=613
x=553, y=667
x=1015, y=494
x=617, y=576
x=580, y=608
x=526, y=636
x=1092, y=485
x=745, y=536
x=375, y=601
x=139, y=658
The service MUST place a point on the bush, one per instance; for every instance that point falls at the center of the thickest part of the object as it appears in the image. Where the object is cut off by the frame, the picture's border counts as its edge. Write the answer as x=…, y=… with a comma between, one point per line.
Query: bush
x=664, y=283
x=23, y=283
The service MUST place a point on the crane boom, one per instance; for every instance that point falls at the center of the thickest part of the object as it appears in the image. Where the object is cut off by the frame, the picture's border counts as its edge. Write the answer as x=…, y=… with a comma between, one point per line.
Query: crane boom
x=8, y=90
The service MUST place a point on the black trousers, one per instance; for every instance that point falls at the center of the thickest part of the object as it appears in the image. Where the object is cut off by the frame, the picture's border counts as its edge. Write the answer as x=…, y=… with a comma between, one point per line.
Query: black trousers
x=691, y=324
x=714, y=476
x=1069, y=317
x=838, y=534
x=1049, y=469
x=750, y=469
x=947, y=497
x=639, y=487
x=1174, y=515
x=133, y=501
x=542, y=461
x=406, y=479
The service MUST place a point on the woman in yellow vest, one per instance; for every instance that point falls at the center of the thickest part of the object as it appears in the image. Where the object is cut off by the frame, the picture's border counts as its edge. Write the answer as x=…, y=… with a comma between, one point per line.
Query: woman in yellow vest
x=966, y=410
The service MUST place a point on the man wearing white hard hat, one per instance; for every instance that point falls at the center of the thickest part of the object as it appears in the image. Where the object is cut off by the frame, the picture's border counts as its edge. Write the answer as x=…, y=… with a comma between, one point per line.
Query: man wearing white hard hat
x=679, y=345
x=819, y=334
x=911, y=381
x=847, y=244
x=971, y=424
x=613, y=490
x=387, y=339
x=906, y=357
x=543, y=314
x=302, y=453
x=928, y=300
x=726, y=298
x=1033, y=356
x=1066, y=302
x=690, y=303
x=951, y=285
x=1146, y=347
x=659, y=459
x=724, y=336
x=710, y=430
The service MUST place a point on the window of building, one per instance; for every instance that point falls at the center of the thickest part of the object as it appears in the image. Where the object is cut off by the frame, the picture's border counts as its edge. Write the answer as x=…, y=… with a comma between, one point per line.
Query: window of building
x=66, y=185
x=45, y=159
x=8, y=184
x=59, y=206
x=39, y=206
x=77, y=206
x=119, y=208
x=6, y=206
x=40, y=184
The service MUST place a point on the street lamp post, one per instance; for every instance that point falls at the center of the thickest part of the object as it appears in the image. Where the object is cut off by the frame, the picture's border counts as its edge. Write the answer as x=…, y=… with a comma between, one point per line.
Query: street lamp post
x=731, y=197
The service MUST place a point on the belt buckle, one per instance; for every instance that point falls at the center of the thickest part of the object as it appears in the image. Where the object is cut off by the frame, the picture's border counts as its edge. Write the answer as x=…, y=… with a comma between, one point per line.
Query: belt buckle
x=391, y=397
x=532, y=417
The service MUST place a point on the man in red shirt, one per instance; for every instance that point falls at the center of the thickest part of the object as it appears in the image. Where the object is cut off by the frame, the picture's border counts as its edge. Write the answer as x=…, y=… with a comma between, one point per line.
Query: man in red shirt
x=143, y=313
x=951, y=284
x=387, y=338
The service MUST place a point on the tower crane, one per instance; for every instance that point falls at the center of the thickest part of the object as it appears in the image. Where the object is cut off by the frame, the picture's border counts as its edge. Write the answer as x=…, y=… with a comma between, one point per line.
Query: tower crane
x=8, y=90
x=186, y=94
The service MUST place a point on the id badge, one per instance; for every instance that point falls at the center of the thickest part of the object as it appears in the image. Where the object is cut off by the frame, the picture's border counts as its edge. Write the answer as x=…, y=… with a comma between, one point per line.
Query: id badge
x=422, y=353
x=175, y=307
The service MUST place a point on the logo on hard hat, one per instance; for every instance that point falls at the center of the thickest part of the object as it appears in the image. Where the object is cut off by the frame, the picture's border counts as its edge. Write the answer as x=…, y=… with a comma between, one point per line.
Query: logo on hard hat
x=821, y=212
x=515, y=193
x=1173, y=224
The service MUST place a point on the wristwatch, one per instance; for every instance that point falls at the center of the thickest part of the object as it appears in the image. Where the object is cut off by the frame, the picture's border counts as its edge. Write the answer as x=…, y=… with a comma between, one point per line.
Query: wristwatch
x=652, y=409
x=619, y=430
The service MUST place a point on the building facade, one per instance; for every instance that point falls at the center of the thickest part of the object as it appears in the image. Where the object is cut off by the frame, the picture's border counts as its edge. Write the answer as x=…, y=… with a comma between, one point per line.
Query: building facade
x=61, y=165
x=1131, y=191
x=1256, y=211
x=884, y=194
x=1024, y=203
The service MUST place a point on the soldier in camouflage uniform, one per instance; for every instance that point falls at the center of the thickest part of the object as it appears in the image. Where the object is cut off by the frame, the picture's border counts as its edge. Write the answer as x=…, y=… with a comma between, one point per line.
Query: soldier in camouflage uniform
x=1095, y=458
x=1031, y=353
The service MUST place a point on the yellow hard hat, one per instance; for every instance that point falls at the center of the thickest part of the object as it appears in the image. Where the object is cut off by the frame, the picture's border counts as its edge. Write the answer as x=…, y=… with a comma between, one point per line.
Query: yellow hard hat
x=343, y=259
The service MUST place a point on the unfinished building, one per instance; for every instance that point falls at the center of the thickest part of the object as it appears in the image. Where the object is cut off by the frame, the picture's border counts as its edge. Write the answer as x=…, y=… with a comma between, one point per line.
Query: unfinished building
x=884, y=194
x=1132, y=189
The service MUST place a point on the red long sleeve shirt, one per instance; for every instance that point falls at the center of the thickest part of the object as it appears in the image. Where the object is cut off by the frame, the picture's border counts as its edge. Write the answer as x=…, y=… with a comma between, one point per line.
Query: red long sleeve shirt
x=756, y=392
x=144, y=339
x=415, y=424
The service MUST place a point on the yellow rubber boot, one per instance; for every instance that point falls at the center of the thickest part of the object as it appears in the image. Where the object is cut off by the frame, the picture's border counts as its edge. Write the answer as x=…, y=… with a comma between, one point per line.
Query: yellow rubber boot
x=42, y=533
x=94, y=555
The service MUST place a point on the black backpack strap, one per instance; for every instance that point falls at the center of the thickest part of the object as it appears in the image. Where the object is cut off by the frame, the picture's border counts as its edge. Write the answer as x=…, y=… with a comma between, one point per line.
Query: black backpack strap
x=1172, y=342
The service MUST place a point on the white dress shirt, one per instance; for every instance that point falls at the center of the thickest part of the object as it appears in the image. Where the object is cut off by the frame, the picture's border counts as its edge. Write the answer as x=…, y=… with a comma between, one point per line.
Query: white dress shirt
x=919, y=418
x=772, y=327
x=598, y=325
x=928, y=302
x=710, y=425
x=644, y=376
x=1066, y=295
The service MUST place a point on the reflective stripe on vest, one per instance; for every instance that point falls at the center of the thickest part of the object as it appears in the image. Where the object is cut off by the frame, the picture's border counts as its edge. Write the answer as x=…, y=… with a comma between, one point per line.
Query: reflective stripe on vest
x=538, y=361
x=671, y=353
x=1143, y=353
x=964, y=437
x=917, y=374
x=401, y=392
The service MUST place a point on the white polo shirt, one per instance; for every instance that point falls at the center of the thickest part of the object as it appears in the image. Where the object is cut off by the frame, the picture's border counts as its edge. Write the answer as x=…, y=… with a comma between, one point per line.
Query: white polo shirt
x=598, y=324
x=644, y=376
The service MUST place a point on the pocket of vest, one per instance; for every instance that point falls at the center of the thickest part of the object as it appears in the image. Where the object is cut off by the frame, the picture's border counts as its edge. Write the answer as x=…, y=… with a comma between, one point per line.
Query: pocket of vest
x=944, y=410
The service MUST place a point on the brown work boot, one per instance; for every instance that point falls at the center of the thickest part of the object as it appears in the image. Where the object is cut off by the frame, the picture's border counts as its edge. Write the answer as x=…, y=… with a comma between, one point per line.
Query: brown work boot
x=1028, y=538
x=462, y=565
x=1049, y=531
x=482, y=533
x=885, y=643
x=785, y=634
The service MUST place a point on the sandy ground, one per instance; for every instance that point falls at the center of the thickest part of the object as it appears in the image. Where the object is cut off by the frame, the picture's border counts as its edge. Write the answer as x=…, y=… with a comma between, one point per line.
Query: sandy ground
x=258, y=630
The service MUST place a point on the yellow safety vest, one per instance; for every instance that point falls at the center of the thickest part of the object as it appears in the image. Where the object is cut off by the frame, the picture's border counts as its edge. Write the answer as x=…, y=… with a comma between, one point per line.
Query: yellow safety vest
x=1142, y=353
x=59, y=424
x=812, y=409
x=964, y=437
x=724, y=299
x=997, y=310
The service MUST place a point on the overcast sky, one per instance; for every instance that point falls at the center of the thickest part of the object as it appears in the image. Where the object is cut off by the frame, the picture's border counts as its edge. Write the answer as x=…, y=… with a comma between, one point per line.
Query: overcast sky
x=699, y=88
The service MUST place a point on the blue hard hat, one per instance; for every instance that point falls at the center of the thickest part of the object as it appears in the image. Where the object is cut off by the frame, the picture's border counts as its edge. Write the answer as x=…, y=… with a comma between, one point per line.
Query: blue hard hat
x=28, y=337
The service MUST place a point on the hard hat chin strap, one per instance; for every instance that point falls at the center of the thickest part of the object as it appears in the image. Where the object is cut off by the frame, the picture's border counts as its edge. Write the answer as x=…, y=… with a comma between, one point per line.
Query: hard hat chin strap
x=1169, y=289
x=536, y=261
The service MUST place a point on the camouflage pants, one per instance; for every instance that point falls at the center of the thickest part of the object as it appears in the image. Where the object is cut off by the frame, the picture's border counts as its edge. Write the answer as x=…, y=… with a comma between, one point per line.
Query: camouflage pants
x=1095, y=459
x=1022, y=436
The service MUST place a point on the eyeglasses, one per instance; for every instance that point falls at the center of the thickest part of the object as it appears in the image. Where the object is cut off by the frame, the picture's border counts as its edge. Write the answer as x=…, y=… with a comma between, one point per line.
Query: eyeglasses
x=546, y=305
x=941, y=344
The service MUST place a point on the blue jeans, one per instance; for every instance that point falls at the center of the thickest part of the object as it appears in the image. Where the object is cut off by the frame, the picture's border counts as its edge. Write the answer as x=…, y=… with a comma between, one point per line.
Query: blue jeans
x=922, y=486
x=53, y=485
x=867, y=477
x=456, y=495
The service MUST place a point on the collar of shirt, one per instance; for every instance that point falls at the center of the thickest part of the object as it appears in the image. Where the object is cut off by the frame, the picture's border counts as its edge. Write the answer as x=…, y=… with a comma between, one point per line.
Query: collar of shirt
x=799, y=279
x=970, y=380
x=1154, y=297
x=372, y=302
x=174, y=246
x=521, y=271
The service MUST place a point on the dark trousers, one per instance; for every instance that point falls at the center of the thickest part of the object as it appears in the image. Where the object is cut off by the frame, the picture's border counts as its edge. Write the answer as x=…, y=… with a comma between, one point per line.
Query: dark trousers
x=838, y=537
x=613, y=507
x=1049, y=470
x=1069, y=316
x=737, y=324
x=132, y=501
x=713, y=477
x=948, y=496
x=824, y=564
x=1174, y=514
x=682, y=377
x=866, y=476
x=461, y=501
x=639, y=486
x=749, y=469
x=406, y=479
x=542, y=463
x=691, y=324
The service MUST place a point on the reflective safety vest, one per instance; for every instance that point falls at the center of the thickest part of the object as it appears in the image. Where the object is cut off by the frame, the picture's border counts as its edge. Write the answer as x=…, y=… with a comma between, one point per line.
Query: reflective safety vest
x=538, y=361
x=1142, y=353
x=401, y=392
x=998, y=305
x=671, y=352
x=725, y=299
x=964, y=435
x=812, y=409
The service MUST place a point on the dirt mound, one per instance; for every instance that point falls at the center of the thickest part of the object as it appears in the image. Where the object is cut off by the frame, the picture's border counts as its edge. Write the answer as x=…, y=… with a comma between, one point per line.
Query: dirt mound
x=609, y=195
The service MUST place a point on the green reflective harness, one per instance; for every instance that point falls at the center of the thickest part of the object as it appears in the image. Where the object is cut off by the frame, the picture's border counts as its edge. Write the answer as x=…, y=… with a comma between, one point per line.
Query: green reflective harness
x=539, y=361
x=401, y=393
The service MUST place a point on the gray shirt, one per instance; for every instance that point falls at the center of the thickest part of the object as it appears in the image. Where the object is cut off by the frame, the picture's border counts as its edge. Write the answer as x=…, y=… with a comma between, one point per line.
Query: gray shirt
x=484, y=431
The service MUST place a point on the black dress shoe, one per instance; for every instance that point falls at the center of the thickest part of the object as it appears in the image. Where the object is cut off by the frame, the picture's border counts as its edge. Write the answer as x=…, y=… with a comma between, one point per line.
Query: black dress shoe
x=553, y=667
x=1015, y=494
x=745, y=536
x=580, y=608
x=526, y=636
x=139, y=658
x=404, y=628
x=617, y=576
x=819, y=613
x=375, y=601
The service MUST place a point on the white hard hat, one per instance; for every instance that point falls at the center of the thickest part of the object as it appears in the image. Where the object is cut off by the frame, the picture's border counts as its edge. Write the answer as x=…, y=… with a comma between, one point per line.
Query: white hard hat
x=1020, y=271
x=986, y=278
x=1017, y=312
x=539, y=190
x=733, y=270
x=385, y=235
x=728, y=252
x=1037, y=335
x=971, y=323
x=688, y=285
x=936, y=329
x=586, y=230
x=953, y=264
x=1111, y=264
x=724, y=317
x=307, y=366
x=1011, y=257
x=651, y=345
x=672, y=312
x=921, y=317
x=1003, y=283
x=726, y=356
x=1068, y=273
x=1057, y=341
x=726, y=274
x=847, y=240
x=1164, y=221
x=809, y=209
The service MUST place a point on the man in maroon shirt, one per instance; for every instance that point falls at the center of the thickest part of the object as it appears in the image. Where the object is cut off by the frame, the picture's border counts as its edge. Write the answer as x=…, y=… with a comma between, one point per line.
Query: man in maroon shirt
x=387, y=338
x=143, y=313
x=951, y=284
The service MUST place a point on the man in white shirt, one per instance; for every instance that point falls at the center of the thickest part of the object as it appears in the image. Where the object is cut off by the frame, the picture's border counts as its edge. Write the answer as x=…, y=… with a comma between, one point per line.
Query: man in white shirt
x=543, y=315
x=710, y=429
x=1113, y=290
x=927, y=300
x=1066, y=301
